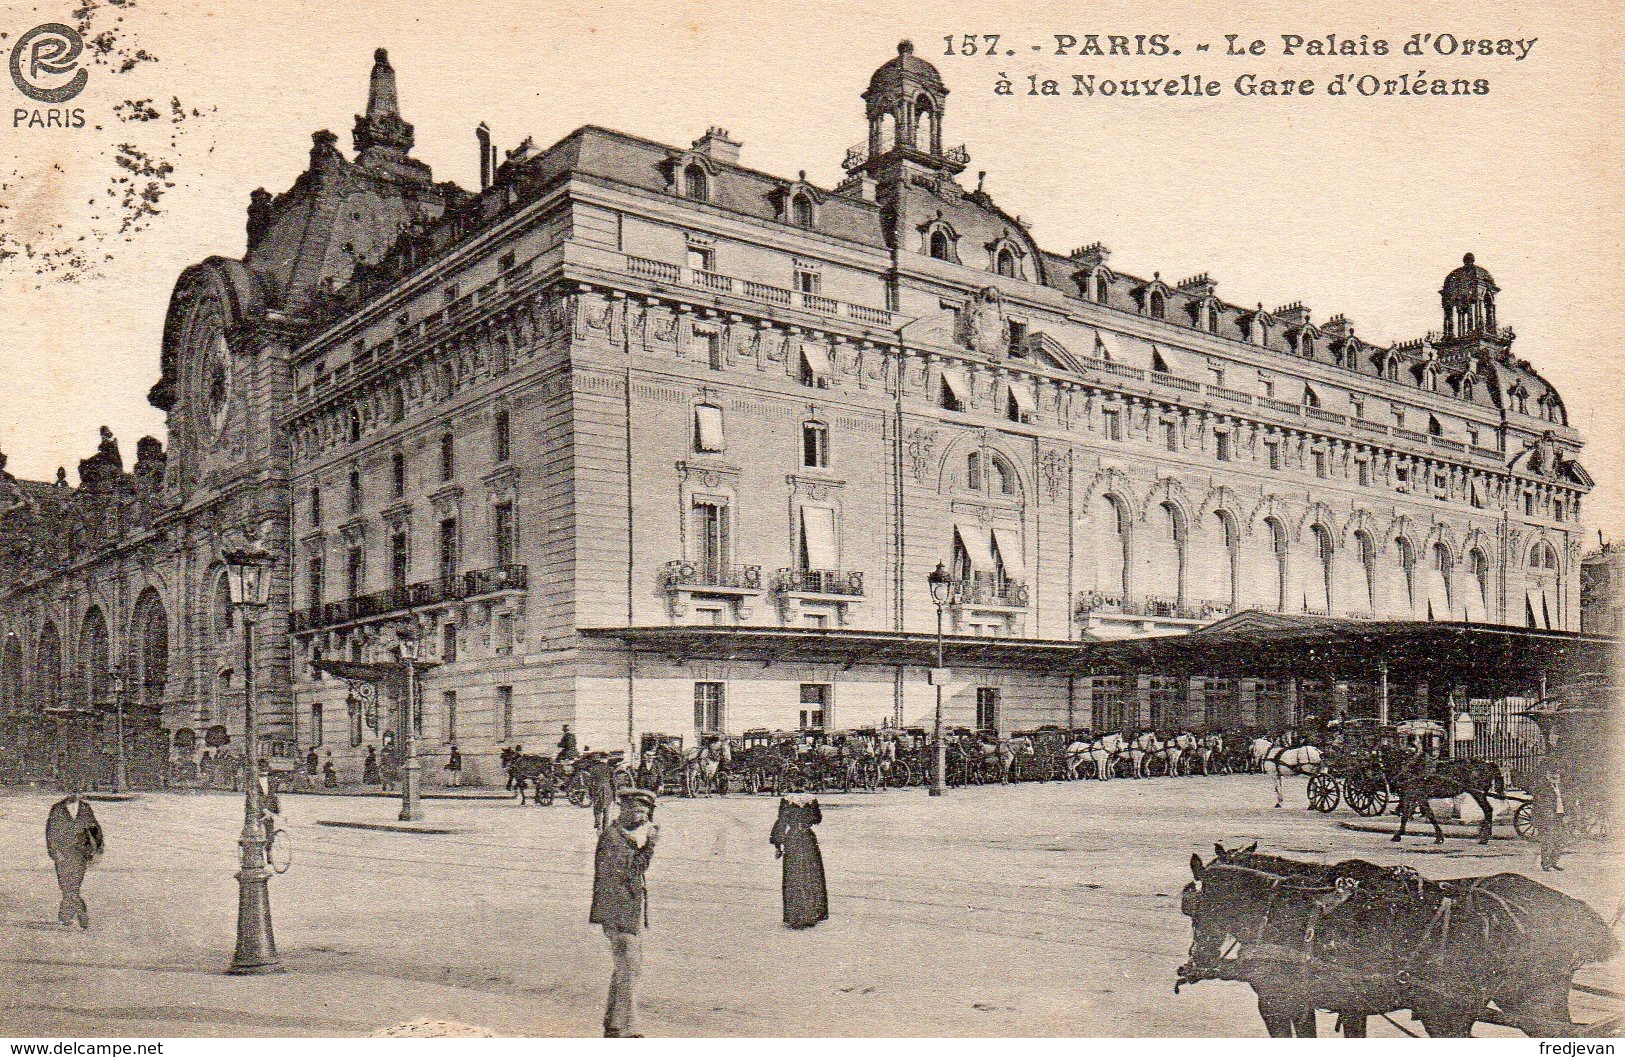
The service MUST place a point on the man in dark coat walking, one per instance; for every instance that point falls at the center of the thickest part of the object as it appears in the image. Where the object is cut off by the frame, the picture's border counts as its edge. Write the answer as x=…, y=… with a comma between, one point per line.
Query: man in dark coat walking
x=1548, y=812
x=73, y=839
x=620, y=903
x=601, y=789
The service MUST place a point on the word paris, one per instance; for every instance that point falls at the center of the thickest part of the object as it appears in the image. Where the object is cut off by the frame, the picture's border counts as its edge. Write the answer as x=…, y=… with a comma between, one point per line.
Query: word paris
x=1292, y=45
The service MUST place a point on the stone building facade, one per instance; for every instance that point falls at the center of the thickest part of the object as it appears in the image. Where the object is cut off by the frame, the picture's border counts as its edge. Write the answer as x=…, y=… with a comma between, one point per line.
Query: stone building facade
x=633, y=411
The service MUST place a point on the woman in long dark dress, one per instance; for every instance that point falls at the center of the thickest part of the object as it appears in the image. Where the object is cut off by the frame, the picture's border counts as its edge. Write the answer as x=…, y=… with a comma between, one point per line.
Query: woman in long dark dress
x=806, y=902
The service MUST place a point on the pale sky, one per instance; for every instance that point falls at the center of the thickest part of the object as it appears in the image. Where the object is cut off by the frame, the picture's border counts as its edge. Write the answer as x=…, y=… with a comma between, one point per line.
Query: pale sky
x=1352, y=205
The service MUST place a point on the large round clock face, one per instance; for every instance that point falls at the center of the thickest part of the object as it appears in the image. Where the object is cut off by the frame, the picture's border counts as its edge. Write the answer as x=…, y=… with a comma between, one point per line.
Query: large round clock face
x=217, y=383
x=211, y=373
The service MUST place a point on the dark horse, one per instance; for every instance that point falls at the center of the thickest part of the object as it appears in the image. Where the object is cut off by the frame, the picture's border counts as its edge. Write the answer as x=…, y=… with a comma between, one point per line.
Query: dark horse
x=527, y=769
x=1360, y=940
x=1419, y=779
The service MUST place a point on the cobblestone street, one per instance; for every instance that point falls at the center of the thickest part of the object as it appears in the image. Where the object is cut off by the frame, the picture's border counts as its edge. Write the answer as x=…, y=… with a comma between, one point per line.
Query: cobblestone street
x=1071, y=891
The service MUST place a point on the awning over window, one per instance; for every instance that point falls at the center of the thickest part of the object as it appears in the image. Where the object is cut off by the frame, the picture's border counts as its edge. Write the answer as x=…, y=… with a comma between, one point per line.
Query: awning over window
x=1102, y=350
x=708, y=427
x=957, y=385
x=1438, y=597
x=817, y=358
x=1536, y=601
x=818, y=536
x=1476, y=610
x=974, y=540
x=1022, y=395
x=1008, y=540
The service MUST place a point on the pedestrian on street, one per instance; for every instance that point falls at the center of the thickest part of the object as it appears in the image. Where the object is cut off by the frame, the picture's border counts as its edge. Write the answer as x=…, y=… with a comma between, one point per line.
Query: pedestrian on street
x=620, y=904
x=369, y=768
x=330, y=777
x=601, y=790
x=73, y=840
x=806, y=901
x=1548, y=812
x=454, y=769
x=567, y=744
x=311, y=762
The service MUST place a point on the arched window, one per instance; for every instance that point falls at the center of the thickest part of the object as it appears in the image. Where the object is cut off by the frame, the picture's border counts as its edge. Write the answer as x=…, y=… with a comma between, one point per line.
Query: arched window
x=801, y=211
x=1005, y=262
x=95, y=661
x=1543, y=557
x=1112, y=554
x=11, y=675
x=1367, y=549
x=1306, y=345
x=48, y=669
x=1390, y=368
x=941, y=247
x=1003, y=481
x=1165, y=555
x=1407, y=571
x=1276, y=537
x=1210, y=317
x=1442, y=566
x=1102, y=288
x=696, y=184
x=1318, y=592
x=1222, y=581
x=1430, y=378
x=222, y=608
x=1157, y=305
x=925, y=124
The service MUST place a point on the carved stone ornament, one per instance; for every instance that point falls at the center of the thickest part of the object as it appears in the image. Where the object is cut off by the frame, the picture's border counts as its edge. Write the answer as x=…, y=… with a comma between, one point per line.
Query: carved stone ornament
x=982, y=325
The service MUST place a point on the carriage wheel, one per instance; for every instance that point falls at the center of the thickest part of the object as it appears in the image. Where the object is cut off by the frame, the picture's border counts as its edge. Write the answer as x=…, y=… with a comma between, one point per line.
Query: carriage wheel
x=1593, y=821
x=1523, y=821
x=1323, y=793
x=902, y=775
x=544, y=796
x=1367, y=794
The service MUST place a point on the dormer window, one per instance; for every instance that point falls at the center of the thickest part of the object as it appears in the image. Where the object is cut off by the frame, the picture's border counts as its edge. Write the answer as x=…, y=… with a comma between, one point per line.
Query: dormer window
x=1102, y=289
x=1430, y=378
x=696, y=183
x=1306, y=345
x=941, y=246
x=1390, y=368
x=1210, y=317
x=801, y=211
x=1157, y=305
x=1005, y=264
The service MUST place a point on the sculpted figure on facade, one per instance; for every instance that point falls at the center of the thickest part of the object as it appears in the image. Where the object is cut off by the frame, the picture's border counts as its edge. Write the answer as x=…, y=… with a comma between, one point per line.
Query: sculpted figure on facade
x=982, y=326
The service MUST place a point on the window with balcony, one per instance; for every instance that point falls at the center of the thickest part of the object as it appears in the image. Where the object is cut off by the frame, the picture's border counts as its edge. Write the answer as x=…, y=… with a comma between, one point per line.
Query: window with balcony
x=701, y=259
x=448, y=457
x=448, y=548
x=502, y=533
x=815, y=699
x=709, y=707
x=709, y=530
x=314, y=578
x=353, y=567
x=817, y=552
x=814, y=445
x=448, y=643
x=708, y=428
x=501, y=436
x=398, y=557
x=987, y=708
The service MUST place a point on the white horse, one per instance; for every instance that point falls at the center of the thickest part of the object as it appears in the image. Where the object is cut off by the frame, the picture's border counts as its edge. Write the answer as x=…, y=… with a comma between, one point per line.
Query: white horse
x=1150, y=744
x=1278, y=762
x=1185, y=745
x=1099, y=753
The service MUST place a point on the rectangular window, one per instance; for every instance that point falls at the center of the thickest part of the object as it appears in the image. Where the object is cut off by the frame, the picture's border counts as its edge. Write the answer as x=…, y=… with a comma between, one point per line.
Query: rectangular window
x=1216, y=376
x=816, y=369
x=1399, y=418
x=987, y=708
x=504, y=633
x=1402, y=478
x=505, y=262
x=501, y=436
x=1320, y=464
x=356, y=720
x=397, y=473
x=1018, y=336
x=1114, y=425
x=450, y=293
x=814, y=706
x=1018, y=406
x=448, y=644
x=808, y=281
x=708, y=428
x=1357, y=406
x=448, y=548
x=1274, y=450
x=448, y=458
x=1170, y=436
x=316, y=734
x=708, y=346
x=315, y=579
x=315, y=506
x=1529, y=504
x=355, y=491
x=354, y=565
x=448, y=711
x=711, y=534
x=505, y=712
x=1221, y=446
x=701, y=259
x=817, y=550
x=814, y=445
x=1267, y=386
x=708, y=706
x=398, y=554
x=502, y=533
x=1472, y=436
x=1365, y=472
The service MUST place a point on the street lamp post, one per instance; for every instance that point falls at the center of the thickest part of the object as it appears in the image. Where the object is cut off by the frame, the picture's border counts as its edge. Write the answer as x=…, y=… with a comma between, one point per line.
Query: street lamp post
x=248, y=576
x=411, y=804
x=121, y=774
x=945, y=591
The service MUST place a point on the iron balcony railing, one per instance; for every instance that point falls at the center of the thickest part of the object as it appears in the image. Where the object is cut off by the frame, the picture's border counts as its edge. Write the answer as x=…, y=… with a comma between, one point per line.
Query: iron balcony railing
x=820, y=582
x=1091, y=603
x=411, y=596
x=718, y=283
x=859, y=154
x=990, y=592
x=703, y=575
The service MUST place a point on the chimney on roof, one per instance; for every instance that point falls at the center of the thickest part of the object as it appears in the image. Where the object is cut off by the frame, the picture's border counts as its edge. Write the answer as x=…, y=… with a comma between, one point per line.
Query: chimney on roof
x=718, y=146
x=488, y=155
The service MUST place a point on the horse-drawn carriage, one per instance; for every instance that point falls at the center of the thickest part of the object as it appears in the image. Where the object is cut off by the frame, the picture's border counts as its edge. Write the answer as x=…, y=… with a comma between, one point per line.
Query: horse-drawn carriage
x=1355, y=770
x=1576, y=727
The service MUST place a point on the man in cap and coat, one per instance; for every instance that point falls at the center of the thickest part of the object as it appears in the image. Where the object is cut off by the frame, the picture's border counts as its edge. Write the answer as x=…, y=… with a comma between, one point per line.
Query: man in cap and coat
x=601, y=789
x=73, y=839
x=620, y=903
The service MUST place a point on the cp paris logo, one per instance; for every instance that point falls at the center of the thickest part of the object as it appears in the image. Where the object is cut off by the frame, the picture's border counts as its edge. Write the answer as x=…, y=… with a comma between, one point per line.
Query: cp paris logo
x=45, y=63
